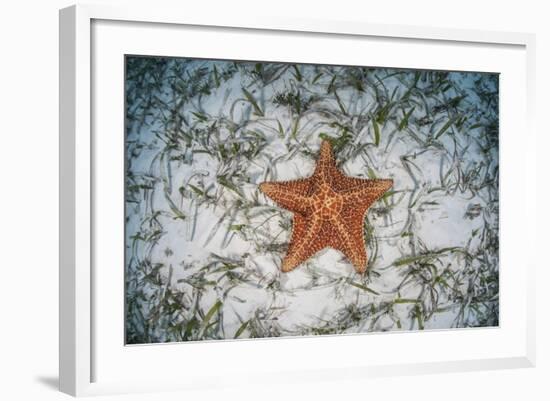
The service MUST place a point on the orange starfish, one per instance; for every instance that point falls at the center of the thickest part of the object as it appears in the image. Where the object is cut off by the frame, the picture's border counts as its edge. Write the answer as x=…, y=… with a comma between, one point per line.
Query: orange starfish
x=329, y=211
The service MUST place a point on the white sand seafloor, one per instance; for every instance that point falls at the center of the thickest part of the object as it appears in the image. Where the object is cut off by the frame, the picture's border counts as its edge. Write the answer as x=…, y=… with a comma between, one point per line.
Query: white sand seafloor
x=204, y=246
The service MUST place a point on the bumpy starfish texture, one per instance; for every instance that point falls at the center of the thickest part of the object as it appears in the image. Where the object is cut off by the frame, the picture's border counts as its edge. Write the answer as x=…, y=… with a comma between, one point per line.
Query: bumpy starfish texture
x=329, y=211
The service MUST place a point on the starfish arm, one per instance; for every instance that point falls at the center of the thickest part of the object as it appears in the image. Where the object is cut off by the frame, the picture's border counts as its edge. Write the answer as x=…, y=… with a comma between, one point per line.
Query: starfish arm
x=305, y=242
x=349, y=238
x=367, y=192
x=290, y=195
x=344, y=184
x=326, y=165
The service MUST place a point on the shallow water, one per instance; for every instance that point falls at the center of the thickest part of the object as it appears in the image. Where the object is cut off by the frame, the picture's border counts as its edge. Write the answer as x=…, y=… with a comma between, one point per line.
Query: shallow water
x=204, y=246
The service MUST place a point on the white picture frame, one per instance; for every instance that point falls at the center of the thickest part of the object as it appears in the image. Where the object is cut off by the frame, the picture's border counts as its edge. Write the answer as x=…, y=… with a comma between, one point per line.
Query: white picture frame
x=84, y=355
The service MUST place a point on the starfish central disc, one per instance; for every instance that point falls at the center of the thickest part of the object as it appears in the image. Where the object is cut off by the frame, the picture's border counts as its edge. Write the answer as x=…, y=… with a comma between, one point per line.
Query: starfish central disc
x=329, y=211
x=327, y=203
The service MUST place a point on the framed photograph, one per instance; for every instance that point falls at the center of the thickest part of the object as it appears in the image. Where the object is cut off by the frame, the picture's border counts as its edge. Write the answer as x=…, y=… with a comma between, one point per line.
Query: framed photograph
x=290, y=200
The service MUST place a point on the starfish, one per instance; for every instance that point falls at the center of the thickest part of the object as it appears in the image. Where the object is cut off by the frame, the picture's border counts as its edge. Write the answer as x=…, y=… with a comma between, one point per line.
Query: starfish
x=329, y=210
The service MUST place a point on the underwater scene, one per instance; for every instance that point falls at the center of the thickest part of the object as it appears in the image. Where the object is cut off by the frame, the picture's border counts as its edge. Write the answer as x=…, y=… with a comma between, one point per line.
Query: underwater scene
x=267, y=199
